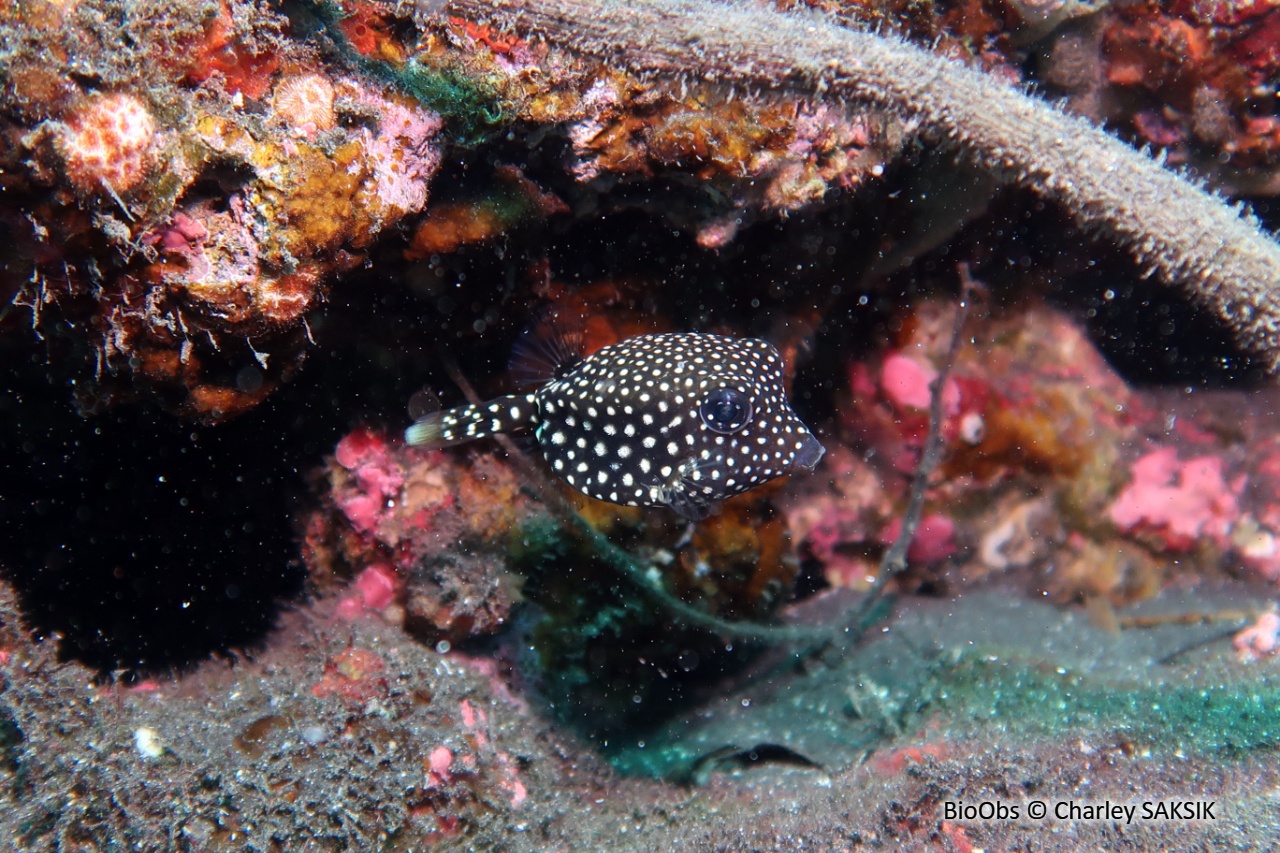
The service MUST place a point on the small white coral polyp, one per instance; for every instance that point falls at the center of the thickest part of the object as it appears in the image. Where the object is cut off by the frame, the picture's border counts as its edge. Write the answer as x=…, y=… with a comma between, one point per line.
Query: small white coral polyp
x=106, y=142
x=305, y=104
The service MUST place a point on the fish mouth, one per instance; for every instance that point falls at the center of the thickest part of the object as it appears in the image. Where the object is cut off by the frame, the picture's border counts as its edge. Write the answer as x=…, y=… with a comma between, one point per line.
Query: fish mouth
x=809, y=454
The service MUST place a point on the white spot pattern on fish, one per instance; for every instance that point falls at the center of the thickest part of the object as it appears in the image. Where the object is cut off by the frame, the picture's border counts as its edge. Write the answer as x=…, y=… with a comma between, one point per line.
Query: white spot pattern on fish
x=713, y=421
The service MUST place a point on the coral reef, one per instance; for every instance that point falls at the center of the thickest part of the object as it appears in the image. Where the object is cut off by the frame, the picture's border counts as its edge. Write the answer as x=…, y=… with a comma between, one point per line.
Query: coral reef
x=1052, y=463
x=216, y=178
x=422, y=748
x=1187, y=78
x=204, y=218
x=388, y=513
x=361, y=737
x=448, y=545
x=1056, y=476
x=242, y=236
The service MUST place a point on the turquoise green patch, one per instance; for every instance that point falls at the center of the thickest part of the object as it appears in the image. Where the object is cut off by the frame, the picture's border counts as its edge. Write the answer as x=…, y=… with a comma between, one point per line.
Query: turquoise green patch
x=470, y=108
x=1232, y=718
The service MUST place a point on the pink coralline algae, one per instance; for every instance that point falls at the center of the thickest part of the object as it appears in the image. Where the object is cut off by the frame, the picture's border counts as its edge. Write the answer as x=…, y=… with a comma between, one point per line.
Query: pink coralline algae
x=934, y=541
x=424, y=536
x=440, y=761
x=377, y=479
x=1034, y=474
x=354, y=676
x=1032, y=419
x=1179, y=502
x=908, y=384
x=196, y=204
x=373, y=591
x=106, y=143
x=478, y=721
x=1259, y=640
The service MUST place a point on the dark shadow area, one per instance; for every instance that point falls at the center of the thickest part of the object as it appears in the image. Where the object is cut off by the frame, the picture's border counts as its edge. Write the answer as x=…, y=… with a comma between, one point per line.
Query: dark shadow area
x=1153, y=336
x=147, y=542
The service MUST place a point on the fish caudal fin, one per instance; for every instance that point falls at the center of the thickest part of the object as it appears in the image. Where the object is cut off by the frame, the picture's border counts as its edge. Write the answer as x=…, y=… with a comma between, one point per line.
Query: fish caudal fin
x=466, y=423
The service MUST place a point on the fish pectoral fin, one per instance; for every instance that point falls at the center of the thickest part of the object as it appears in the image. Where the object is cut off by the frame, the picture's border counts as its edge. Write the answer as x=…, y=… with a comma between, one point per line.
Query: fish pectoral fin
x=684, y=495
x=690, y=505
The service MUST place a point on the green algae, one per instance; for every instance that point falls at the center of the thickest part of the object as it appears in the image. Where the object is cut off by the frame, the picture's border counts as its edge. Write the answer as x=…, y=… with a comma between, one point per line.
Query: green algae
x=537, y=543
x=1228, y=718
x=983, y=670
x=472, y=110
x=980, y=699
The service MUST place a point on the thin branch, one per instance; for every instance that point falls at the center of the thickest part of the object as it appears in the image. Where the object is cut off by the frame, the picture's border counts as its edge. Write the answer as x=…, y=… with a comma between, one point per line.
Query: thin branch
x=894, y=560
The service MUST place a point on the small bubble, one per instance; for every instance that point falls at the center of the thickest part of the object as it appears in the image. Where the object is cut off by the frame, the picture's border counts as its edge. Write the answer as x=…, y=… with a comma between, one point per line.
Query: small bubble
x=442, y=647
x=423, y=402
x=249, y=379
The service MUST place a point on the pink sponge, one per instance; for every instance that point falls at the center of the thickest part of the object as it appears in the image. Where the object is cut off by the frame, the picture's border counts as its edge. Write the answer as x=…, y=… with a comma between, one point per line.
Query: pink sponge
x=377, y=474
x=908, y=384
x=1179, y=501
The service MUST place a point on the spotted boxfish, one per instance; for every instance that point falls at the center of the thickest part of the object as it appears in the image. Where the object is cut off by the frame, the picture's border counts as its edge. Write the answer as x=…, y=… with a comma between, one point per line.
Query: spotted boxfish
x=683, y=420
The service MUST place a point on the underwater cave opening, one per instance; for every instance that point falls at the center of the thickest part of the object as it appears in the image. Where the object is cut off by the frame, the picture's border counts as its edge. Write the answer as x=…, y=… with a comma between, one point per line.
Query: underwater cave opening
x=146, y=542
x=149, y=543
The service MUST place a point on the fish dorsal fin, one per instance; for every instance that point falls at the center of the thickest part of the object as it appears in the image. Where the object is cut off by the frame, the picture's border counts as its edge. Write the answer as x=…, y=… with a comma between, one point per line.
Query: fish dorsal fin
x=548, y=349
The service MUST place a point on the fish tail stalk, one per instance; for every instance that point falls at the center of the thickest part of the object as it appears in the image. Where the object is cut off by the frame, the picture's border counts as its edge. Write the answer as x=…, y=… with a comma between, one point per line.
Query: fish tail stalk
x=466, y=423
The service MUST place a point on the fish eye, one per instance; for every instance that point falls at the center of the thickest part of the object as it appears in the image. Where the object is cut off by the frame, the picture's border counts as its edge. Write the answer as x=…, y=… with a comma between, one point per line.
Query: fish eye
x=725, y=410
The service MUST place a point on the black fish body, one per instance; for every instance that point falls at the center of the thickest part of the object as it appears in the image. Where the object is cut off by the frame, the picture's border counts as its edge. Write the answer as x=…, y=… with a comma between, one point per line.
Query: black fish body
x=683, y=420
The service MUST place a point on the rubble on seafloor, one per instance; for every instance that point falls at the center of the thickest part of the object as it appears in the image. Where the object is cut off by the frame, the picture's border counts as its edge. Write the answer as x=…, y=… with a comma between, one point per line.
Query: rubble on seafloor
x=349, y=734
x=276, y=223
